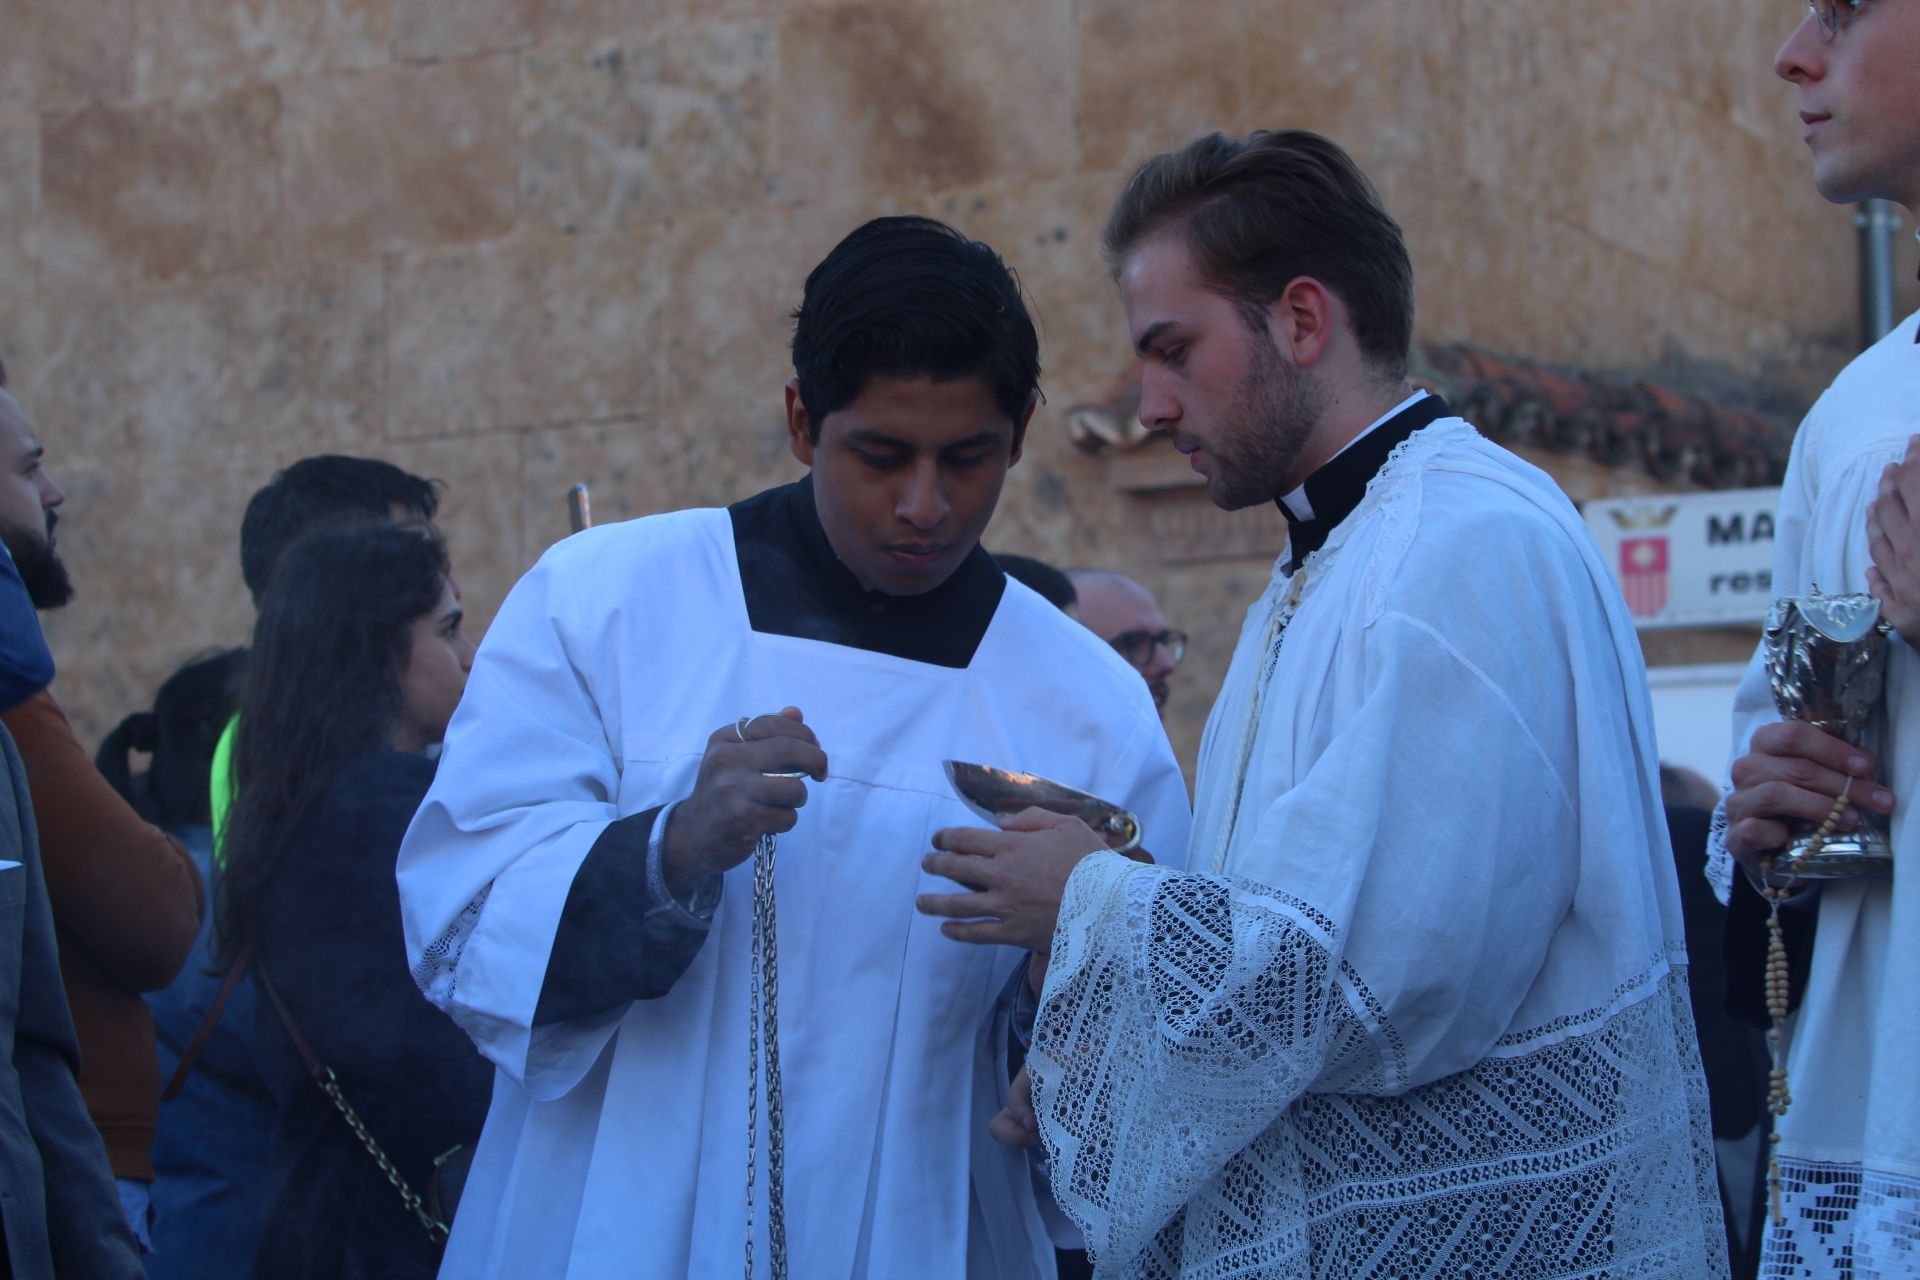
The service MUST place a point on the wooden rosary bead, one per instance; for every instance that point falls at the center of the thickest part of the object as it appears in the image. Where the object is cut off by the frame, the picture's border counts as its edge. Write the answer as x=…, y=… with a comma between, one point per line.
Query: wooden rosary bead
x=1778, y=989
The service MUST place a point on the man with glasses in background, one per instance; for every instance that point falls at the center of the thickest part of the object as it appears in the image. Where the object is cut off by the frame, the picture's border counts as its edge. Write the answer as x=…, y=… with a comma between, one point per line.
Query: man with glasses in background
x=1848, y=1147
x=1124, y=614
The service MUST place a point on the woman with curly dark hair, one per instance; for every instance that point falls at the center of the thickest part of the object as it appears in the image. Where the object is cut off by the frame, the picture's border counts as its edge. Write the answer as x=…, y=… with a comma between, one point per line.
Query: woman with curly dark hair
x=358, y=663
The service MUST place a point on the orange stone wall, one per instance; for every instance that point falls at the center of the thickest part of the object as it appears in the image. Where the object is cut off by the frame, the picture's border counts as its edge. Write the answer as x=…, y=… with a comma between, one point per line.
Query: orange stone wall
x=515, y=244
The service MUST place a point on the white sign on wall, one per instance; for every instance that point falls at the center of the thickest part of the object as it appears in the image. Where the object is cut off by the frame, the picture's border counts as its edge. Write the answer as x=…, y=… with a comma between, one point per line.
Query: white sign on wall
x=1690, y=559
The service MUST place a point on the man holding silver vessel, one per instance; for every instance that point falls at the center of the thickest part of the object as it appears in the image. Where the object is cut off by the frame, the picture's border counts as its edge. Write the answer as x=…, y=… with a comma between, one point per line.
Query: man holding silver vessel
x=1849, y=1141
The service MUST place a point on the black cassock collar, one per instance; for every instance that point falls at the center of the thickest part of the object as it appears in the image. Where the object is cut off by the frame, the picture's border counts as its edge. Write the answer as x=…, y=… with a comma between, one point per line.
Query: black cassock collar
x=796, y=586
x=1336, y=488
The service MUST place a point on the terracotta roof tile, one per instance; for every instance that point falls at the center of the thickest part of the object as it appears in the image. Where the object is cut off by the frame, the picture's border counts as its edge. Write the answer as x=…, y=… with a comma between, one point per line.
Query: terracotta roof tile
x=1671, y=435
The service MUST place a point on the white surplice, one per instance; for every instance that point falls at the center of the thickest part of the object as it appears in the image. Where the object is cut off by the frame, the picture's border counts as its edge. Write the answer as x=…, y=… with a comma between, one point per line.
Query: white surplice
x=1850, y=1143
x=1418, y=1006
x=618, y=1149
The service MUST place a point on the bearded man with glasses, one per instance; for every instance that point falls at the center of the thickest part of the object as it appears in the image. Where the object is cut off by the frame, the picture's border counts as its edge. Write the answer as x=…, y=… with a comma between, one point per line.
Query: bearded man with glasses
x=1849, y=1146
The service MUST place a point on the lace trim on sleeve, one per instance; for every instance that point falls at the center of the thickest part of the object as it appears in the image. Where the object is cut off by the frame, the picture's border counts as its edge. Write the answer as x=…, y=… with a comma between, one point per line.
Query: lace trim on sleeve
x=1589, y=1158
x=1214, y=1006
x=1218, y=1096
x=1720, y=863
x=438, y=972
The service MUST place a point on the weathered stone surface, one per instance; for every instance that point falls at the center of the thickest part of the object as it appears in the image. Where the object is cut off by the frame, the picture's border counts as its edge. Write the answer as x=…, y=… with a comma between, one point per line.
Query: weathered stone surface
x=1475, y=264
x=19, y=203
x=280, y=367
x=906, y=98
x=193, y=48
x=1645, y=198
x=1492, y=268
x=612, y=134
x=1380, y=78
x=398, y=157
x=160, y=193
x=641, y=467
x=432, y=29
x=528, y=332
x=1721, y=62
x=56, y=55
x=1149, y=77
x=736, y=280
x=155, y=559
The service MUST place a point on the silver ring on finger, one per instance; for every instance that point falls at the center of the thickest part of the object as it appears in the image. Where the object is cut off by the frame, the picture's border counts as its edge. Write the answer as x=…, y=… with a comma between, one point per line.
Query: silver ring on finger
x=744, y=723
x=740, y=727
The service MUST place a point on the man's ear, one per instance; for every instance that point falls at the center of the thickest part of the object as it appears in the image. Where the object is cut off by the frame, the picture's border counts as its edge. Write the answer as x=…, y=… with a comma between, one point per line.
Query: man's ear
x=1303, y=320
x=799, y=425
x=1020, y=427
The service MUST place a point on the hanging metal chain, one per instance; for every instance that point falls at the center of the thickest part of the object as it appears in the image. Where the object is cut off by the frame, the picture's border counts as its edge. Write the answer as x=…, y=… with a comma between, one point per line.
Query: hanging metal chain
x=763, y=1034
x=436, y=1229
x=323, y=1076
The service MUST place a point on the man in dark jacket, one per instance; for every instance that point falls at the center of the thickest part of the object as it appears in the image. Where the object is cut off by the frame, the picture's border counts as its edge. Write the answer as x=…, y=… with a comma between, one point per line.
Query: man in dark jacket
x=59, y=1212
x=126, y=897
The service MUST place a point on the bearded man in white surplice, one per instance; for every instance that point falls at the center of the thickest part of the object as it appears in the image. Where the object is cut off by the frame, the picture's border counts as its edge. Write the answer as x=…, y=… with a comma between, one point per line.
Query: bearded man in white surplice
x=576, y=887
x=1417, y=1006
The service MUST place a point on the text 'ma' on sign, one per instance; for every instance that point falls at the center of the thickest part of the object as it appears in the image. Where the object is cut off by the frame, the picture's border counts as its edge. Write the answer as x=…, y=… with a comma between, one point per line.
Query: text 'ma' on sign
x=1690, y=559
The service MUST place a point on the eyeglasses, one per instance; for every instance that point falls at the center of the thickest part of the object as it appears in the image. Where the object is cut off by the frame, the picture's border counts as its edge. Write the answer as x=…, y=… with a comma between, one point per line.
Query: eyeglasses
x=1832, y=16
x=1137, y=646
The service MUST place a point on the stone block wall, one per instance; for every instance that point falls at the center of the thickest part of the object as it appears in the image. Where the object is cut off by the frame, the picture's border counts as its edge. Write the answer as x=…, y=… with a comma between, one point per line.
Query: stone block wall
x=516, y=244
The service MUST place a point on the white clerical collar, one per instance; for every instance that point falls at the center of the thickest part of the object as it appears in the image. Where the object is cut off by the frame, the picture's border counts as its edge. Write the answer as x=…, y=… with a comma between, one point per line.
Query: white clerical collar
x=1297, y=500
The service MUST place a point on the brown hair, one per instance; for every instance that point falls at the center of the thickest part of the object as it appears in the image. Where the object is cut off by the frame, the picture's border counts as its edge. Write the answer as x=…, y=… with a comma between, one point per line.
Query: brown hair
x=1262, y=212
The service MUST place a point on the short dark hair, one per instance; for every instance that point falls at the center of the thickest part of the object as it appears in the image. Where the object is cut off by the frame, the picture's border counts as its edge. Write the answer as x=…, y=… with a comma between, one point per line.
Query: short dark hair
x=912, y=298
x=1263, y=211
x=316, y=490
x=190, y=712
x=1055, y=587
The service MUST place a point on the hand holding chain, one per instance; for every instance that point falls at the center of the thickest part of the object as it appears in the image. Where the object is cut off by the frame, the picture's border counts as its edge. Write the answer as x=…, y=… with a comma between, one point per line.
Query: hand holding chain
x=763, y=1032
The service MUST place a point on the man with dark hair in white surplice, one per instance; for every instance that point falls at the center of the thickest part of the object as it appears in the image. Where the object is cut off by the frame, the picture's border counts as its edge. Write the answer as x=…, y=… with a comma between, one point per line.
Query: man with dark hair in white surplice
x=578, y=888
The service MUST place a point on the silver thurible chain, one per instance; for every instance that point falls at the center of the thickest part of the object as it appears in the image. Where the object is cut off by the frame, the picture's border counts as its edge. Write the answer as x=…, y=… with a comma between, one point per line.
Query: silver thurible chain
x=763, y=1031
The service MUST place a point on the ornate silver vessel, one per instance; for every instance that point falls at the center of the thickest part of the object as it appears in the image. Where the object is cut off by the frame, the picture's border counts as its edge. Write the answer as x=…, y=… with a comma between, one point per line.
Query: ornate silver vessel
x=1826, y=662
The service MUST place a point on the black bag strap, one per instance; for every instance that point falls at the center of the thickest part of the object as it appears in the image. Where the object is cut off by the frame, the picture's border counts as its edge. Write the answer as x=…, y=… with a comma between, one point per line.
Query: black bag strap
x=191, y=1054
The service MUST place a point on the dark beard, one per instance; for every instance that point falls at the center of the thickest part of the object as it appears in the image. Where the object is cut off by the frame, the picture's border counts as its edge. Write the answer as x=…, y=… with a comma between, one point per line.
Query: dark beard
x=41, y=570
x=1273, y=416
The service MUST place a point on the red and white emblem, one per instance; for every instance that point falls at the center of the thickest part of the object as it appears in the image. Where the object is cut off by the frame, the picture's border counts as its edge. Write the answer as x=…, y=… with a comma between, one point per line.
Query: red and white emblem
x=1643, y=575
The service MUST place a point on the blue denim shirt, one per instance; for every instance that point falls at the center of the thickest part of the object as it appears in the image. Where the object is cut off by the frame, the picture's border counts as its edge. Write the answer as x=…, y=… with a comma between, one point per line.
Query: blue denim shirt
x=210, y=1157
